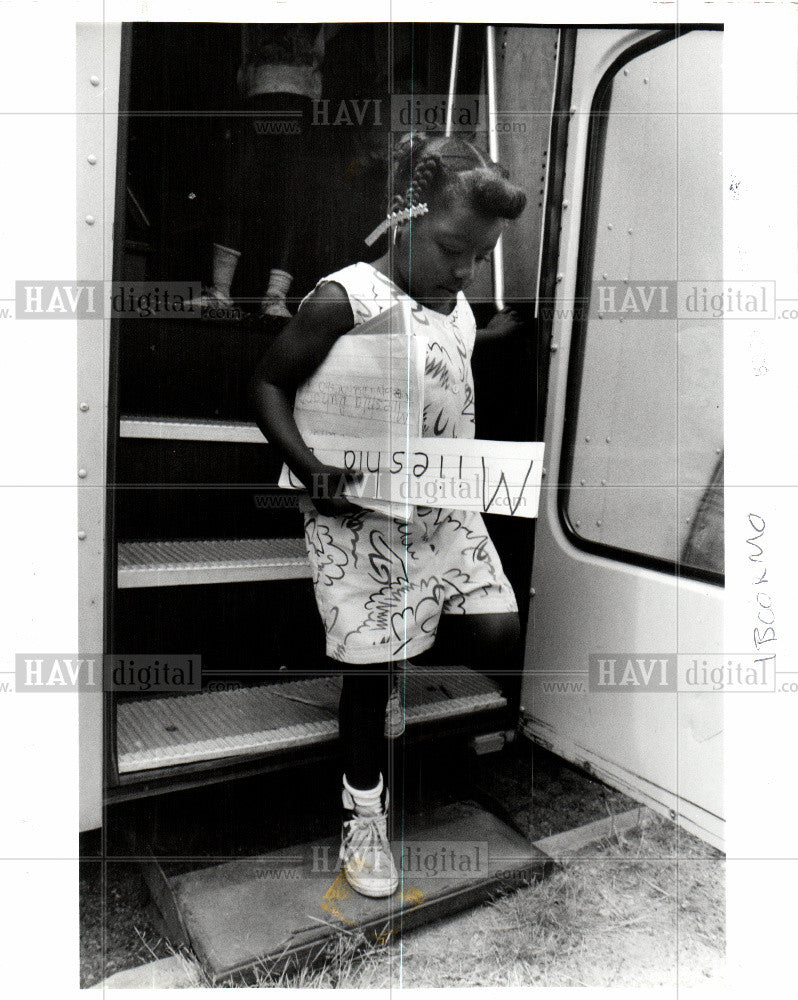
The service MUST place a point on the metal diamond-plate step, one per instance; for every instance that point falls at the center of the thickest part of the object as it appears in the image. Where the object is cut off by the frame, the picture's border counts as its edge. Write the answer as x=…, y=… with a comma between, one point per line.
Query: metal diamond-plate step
x=237, y=560
x=162, y=732
x=173, y=429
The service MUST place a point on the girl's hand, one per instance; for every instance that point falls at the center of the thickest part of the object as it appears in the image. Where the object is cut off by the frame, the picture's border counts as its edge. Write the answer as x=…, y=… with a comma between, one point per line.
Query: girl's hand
x=326, y=486
x=504, y=323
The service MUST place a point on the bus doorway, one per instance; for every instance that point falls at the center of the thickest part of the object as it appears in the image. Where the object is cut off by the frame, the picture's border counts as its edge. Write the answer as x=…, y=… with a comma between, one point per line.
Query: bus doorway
x=199, y=552
x=204, y=553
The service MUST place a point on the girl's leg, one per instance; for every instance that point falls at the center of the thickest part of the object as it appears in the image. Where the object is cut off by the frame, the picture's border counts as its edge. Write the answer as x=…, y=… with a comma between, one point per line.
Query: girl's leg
x=361, y=722
x=489, y=641
x=365, y=851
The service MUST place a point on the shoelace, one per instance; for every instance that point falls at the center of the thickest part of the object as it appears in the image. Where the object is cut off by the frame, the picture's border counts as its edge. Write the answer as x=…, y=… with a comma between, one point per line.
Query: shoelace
x=364, y=834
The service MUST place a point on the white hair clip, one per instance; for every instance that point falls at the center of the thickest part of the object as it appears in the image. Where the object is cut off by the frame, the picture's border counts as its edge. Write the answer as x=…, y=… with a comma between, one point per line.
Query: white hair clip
x=394, y=218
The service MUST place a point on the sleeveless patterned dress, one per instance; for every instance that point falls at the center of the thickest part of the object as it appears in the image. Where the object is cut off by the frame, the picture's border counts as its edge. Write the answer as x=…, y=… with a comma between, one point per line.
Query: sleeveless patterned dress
x=381, y=583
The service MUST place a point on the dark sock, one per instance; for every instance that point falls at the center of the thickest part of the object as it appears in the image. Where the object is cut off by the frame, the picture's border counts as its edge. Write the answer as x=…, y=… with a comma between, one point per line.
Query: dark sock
x=361, y=723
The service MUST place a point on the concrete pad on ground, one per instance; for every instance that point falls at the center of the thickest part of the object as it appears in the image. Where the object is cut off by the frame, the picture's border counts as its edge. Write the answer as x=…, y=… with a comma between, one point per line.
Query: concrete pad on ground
x=286, y=905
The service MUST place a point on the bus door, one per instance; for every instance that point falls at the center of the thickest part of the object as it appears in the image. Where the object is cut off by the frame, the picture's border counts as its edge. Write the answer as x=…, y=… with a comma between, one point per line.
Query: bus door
x=628, y=571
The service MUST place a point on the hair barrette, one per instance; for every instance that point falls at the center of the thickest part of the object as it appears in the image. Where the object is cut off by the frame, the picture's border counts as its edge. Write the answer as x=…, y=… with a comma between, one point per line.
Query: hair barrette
x=394, y=219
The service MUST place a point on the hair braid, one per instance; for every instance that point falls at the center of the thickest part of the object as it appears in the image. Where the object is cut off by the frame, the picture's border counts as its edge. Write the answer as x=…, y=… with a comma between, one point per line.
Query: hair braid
x=425, y=173
x=439, y=171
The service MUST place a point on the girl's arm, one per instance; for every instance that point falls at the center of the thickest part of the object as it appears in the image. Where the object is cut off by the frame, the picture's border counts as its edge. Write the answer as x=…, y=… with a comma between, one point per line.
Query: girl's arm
x=501, y=326
x=297, y=351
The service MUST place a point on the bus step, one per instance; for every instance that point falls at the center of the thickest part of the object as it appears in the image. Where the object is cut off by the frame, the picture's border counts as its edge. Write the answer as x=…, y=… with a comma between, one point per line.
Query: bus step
x=162, y=732
x=177, y=429
x=206, y=561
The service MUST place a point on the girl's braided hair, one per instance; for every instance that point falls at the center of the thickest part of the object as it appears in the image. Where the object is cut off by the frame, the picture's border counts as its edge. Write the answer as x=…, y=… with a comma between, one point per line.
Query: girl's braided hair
x=443, y=170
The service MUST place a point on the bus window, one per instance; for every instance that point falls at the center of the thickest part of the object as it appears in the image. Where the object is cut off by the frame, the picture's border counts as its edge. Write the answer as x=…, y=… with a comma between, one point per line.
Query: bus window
x=642, y=458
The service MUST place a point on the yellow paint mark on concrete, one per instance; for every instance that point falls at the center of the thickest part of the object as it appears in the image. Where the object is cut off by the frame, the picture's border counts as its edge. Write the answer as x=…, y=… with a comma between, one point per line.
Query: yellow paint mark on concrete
x=338, y=893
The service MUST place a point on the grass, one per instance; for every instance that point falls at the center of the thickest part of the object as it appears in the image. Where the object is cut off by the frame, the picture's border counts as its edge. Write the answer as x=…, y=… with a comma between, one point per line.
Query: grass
x=115, y=930
x=641, y=909
x=630, y=910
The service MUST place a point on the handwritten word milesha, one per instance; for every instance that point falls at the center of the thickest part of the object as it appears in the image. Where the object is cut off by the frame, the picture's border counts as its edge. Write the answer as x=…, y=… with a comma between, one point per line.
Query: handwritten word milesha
x=495, y=477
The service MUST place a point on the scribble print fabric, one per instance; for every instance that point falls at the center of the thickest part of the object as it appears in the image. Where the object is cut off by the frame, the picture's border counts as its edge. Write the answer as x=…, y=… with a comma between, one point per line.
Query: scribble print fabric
x=382, y=583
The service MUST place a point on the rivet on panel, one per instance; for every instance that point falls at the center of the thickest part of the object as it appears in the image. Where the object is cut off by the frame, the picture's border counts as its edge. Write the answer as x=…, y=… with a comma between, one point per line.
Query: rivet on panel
x=581, y=482
x=565, y=204
x=600, y=315
x=604, y=276
x=82, y=473
x=90, y=220
x=609, y=225
x=553, y=348
x=94, y=81
x=577, y=524
x=84, y=407
x=560, y=276
x=587, y=440
x=91, y=158
x=572, y=109
x=598, y=524
x=603, y=482
x=626, y=72
x=543, y=471
x=608, y=440
x=645, y=79
x=532, y=591
x=82, y=535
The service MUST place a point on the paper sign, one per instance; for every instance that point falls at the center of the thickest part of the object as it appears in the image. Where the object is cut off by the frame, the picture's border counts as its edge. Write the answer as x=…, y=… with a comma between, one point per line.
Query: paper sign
x=494, y=477
x=363, y=409
x=371, y=381
x=370, y=385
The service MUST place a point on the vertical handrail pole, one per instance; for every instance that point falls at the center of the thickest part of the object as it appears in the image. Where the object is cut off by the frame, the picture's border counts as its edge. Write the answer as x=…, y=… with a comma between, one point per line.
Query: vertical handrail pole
x=452, y=79
x=493, y=149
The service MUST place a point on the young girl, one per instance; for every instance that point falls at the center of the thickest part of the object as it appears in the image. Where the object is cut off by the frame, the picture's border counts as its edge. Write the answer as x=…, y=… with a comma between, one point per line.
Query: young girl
x=382, y=583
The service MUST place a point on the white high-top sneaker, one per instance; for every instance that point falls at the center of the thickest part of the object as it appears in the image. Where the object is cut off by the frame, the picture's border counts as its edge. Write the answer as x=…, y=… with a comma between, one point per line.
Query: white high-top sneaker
x=365, y=852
